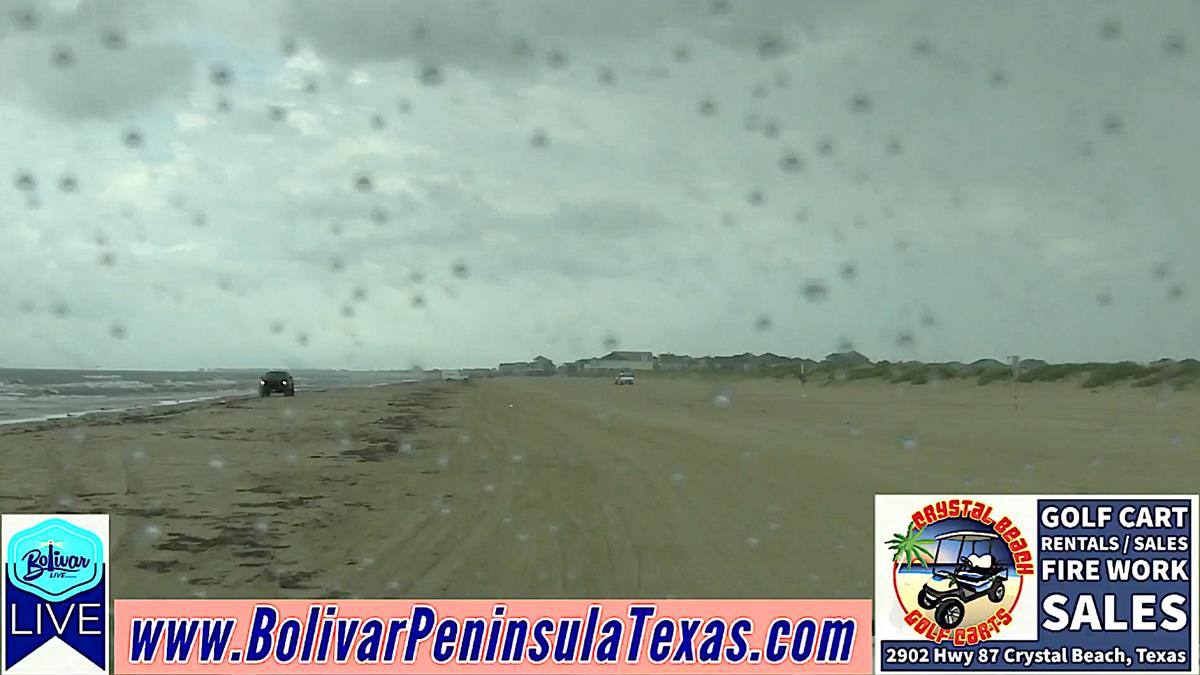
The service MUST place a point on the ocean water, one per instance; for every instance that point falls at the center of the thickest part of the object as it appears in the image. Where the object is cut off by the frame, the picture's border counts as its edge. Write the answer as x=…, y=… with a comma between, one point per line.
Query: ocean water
x=29, y=394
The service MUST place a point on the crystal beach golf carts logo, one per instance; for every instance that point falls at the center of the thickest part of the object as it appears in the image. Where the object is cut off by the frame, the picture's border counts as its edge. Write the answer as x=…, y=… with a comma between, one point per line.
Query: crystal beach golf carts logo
x=957, y=570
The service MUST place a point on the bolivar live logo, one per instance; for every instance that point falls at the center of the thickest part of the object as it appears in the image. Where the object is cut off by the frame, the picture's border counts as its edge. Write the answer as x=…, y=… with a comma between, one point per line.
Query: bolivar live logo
x=958, y=570
x=55, y=594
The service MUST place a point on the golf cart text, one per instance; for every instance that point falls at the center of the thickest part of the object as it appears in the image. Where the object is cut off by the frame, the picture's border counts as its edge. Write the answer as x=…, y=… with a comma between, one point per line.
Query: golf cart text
x=1158, y=517
x=982, y=513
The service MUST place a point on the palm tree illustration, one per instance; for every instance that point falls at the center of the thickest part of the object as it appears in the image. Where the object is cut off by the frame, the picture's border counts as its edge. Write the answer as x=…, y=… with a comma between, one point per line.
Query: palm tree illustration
x=910, y=547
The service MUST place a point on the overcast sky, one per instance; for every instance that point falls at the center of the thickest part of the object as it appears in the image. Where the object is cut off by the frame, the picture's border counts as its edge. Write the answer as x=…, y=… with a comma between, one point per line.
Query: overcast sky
x=380, y=184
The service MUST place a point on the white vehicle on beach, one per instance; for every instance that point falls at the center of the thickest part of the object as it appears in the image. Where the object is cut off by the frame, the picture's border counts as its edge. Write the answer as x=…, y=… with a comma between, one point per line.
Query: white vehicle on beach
x=454, y=376
x=624, y=377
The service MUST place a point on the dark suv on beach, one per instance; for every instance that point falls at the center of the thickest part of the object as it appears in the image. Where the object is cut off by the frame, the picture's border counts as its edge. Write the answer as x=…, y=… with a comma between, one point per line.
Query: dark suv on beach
x=277, y=382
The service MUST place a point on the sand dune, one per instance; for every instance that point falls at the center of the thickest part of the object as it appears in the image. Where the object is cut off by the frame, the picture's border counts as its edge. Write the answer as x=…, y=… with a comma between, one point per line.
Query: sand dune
x=531, y=487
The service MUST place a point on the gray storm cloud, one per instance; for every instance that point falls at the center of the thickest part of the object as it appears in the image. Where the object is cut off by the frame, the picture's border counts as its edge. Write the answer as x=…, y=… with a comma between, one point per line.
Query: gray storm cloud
x=378, y=183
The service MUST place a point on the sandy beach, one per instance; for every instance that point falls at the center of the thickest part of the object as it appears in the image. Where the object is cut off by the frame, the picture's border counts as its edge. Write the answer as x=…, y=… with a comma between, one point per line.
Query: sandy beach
x=569, y=487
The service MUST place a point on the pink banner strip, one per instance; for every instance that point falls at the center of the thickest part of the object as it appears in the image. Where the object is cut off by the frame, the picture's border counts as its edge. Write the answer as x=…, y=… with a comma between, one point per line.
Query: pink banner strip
x=485, y=636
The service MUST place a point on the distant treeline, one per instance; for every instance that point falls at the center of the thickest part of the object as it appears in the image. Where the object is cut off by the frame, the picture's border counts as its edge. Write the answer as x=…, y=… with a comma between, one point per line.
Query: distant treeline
x=851, y=366
x=1177, y=374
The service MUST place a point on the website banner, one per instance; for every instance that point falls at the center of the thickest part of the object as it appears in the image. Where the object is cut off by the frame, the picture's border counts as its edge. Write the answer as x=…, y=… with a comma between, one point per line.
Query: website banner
x=1049, y=583
x=484, y=636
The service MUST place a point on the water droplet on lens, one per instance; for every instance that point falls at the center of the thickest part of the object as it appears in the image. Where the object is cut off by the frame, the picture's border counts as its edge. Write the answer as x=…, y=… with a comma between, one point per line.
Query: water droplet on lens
x=909, y=442
x=61, y=57
x=722, y=398
x=1174, y=45
x=25, y=182
x=771, y=45
x=113, y=39
x=763, y=323
x=25, y=18
x=707, y=107
x=860, y=103
x=1110, y=28
x=363, y=183
x=430, y=75
x=815, y=290
x=132, y=139
x=539, y=139
x=117, y=331
x=221, y=75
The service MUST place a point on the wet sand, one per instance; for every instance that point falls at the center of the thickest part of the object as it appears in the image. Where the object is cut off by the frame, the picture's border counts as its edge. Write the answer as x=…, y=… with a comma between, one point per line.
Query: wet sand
x=531, y=487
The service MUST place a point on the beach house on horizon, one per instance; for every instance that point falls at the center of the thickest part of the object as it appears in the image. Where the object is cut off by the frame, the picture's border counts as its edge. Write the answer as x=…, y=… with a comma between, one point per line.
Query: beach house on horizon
x=514, y=368
x=622, y=360
x=674, y=362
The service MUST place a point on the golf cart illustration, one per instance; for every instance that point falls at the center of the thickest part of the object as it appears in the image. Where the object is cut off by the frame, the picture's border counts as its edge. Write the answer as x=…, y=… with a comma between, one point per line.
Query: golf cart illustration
x=974, y=575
